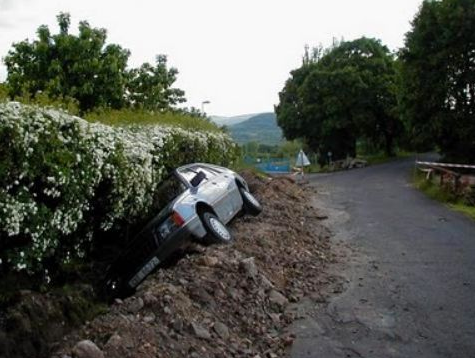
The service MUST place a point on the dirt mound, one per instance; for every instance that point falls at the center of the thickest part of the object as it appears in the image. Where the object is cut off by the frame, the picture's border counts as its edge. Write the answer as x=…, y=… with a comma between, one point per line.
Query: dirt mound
x=234, y=300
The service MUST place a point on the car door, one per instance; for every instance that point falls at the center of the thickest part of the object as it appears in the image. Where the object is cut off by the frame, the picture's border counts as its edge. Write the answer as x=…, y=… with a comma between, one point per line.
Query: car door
x=215, y=190
x=233, y=196
x=229, y=203
x=218, y=189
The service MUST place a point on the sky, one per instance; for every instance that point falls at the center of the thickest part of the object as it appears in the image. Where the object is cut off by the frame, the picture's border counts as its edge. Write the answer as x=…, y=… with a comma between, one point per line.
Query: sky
x=236, y=54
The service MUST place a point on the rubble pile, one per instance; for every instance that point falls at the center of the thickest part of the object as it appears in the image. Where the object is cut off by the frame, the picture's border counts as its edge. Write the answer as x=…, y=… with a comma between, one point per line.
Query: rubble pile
x=221, y=301
x=348, y=163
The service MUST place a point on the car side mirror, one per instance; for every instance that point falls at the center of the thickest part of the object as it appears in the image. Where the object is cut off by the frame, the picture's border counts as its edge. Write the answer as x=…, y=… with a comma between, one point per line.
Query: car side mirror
x=197, y=179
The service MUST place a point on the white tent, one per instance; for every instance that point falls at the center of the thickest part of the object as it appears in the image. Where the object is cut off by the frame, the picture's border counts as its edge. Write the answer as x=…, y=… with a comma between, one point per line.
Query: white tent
x=302, y=160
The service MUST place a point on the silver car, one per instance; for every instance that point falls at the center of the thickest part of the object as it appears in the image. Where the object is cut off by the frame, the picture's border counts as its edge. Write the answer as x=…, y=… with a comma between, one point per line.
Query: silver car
x=199, y=200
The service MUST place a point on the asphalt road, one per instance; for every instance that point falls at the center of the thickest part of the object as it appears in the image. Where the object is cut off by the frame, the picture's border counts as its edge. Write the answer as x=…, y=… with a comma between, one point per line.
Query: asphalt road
x=407, y=272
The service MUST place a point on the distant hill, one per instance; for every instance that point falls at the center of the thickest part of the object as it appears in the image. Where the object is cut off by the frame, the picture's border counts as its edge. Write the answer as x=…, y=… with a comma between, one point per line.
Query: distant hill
x=261, y=128
x=229, y=121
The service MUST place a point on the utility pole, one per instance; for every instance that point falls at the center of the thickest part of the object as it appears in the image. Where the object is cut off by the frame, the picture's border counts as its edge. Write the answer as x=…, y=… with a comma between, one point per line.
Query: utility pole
x=203, y=106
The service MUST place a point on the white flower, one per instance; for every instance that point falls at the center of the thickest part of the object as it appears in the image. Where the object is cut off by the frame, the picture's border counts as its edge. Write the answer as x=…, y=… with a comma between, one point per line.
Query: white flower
x=127, y=164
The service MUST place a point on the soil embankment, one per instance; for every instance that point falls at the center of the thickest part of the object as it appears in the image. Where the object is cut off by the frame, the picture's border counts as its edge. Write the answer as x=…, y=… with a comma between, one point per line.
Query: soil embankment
x=237, y=300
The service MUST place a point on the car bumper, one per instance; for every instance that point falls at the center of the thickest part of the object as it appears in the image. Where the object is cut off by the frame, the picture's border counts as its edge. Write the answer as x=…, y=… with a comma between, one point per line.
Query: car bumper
x=165, y=247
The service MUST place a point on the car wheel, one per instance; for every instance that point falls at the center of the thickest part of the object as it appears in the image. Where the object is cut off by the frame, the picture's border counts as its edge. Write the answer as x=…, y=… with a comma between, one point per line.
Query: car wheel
x=250, y=203
x=218, y=233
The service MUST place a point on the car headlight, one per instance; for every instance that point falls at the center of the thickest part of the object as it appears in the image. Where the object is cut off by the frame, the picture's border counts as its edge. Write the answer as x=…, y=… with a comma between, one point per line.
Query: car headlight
x=173, y=222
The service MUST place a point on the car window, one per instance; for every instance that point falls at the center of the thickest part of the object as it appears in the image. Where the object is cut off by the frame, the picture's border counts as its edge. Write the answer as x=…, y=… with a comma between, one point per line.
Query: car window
x=189, y=173
x=209, y=172
x=168, y=191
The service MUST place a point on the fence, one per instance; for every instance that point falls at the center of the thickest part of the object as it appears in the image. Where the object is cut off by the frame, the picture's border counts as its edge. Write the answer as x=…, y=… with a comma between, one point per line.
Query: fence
x=447, y=175
x=270, y=165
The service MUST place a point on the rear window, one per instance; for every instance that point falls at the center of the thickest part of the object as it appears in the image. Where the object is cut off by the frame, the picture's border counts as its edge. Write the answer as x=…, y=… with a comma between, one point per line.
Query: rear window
x=168, y=191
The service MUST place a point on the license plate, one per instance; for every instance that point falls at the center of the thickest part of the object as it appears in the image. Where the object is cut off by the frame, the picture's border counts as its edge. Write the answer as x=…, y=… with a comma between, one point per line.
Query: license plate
x=144, y=271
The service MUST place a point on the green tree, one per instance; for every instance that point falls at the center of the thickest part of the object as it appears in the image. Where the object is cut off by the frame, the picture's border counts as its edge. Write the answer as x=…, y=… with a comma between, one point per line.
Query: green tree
x=289, y=111
x=437, y=93
x=374, y=97
x=340, y=95
x=3, y=92
x=290, y=149
x=82, y=67
x=330, y=100
x=193, y=112
x=150, y=87
x=251, y=149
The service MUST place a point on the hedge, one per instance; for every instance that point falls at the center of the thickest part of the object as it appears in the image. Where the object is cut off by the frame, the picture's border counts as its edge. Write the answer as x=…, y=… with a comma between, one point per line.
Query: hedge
x=64, y=181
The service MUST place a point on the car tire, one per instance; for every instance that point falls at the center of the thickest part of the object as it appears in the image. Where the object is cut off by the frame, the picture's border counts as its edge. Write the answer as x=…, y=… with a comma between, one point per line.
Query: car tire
x=217, y=232
x=250, y=203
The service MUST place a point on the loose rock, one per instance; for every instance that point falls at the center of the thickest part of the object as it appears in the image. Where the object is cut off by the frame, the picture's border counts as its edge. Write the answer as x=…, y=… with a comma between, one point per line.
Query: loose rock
x=222, y=330
x=278, y=299
x=134, y=304
x=209, y=261
x=266, y=283
x=229, y=300
x=149, y=318
x=200, y=331
x=178, y=325
x=87, y=349
x=149, y=299
x=249, y=267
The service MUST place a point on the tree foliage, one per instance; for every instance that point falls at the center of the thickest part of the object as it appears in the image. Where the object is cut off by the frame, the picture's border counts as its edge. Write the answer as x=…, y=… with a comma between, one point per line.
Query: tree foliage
x=3, y=91
x=84, y=68
x=150, y=87
x=81, y=67
x=438, y=78
x=341, y=95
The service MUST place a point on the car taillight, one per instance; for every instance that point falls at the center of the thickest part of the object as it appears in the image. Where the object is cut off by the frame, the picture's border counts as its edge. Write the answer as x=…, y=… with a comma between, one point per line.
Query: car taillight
x=177, y=219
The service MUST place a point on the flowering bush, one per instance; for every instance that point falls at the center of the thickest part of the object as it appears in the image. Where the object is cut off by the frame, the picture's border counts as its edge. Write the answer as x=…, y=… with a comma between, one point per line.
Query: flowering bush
x=64, y=181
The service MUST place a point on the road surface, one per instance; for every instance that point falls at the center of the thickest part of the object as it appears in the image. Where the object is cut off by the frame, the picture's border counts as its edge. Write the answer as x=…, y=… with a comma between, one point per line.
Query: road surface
x=407, y=275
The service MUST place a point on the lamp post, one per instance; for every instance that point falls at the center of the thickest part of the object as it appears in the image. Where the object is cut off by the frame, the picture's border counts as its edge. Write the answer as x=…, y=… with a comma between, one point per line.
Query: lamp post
x=203, y=106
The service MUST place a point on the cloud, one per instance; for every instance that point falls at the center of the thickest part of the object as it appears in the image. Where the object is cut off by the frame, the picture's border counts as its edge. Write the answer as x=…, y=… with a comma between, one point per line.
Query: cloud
x=6, y=4
x=6, y=7
x=12, y=13
x=5, y=23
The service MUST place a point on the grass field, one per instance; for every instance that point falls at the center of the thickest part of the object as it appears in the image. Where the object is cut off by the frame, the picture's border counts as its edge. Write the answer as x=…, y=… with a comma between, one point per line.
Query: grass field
x=381, y=157
x=126, y=117
x=372, y=159
x=434, y=191
x=467, y=210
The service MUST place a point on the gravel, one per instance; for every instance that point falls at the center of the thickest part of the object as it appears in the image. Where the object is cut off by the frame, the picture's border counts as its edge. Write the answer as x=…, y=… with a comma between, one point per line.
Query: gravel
x=233, y=300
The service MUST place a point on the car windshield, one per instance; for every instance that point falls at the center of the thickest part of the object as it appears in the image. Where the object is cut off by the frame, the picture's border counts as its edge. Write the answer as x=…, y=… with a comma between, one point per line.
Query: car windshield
x=188, y=173
x=168, y=191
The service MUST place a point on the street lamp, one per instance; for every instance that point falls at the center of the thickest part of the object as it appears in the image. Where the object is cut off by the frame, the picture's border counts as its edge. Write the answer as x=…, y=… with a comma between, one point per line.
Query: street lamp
x=203, y=106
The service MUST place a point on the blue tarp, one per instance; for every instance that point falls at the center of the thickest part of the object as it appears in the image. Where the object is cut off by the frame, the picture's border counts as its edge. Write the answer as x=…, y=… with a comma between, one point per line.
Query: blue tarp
x=271, y=165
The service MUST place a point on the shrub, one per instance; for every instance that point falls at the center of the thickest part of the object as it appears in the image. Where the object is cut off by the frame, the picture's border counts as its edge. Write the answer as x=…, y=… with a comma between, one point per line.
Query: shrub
x=3, y=92
x=64, y=181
